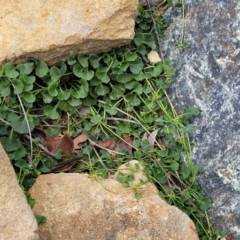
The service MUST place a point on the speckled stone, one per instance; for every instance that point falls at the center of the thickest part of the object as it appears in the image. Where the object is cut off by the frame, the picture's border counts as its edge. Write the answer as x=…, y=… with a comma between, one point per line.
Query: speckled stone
x=208, y=77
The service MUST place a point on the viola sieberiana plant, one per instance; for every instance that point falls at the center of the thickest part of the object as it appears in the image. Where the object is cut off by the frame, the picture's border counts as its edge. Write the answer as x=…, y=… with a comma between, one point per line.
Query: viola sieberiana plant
x=92, y=113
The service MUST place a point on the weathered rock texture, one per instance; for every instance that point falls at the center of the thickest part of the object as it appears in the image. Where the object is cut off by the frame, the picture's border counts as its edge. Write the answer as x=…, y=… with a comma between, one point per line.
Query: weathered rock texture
x=16, y=218
x=208, y=76
x=77, y=207
x=52, y=30
x=151, y=2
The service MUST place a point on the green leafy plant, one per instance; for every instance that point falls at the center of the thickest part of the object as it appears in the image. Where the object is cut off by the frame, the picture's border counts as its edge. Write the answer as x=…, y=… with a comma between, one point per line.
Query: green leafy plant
x=118, y=95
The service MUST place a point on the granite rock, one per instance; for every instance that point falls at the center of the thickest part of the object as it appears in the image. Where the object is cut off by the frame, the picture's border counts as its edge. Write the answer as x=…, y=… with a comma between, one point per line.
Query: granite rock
x=53, y=30
x=78, y=207
x=207, y=77
x=16, y=218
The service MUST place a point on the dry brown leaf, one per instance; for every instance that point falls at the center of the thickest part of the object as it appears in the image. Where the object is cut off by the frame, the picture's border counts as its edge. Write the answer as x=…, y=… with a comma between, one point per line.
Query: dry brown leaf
x=39, y=133
x=79, y=139
x=124, y=145
x=110, y=143
x=229, y=236
x=65, y=143
x=129, y=145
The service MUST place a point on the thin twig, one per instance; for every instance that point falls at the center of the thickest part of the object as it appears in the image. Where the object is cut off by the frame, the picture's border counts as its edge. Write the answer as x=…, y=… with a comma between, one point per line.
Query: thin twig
x=5, y=122
x=135, y=119
x=99, y=158
x=121, y=119
x=30, y=160
x=99, y=146
x=40, y=146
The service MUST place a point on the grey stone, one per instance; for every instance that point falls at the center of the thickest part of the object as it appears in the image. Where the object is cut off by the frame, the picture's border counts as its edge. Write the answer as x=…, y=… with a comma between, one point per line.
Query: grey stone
x=208, y=75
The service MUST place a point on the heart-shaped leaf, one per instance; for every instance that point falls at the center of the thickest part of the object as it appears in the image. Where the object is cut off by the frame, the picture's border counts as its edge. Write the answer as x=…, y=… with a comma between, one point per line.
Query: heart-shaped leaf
x=55, y=73
x=51, y=112
x=41, y=69
x=10, y=71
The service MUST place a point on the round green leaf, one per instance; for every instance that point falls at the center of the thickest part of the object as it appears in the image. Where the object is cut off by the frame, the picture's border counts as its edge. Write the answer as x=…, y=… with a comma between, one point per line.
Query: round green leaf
x=25, y=68
x=142, y=49
x=103, y=77
x=5, y=91
x=29, y=79
x=83, y=89
x=110, y=109
x=63, y=67
x=130, y=57
x=20, y=125
x=40, y=219
x=101, y=90
x=139, y=77
x=55, y=73
x=150, y=41
x=136, y=66
x=75, y=93
x=28, y=97
x=21, y=163
x=64, y=95
x=174, y=166
x=95, y=81
x=28, y=87
x=44, y=169
x=83, y=60
x=52, y=88
x=107, y=58
x=74, y=102
x=10, y=144
x=133, y=100
x=124, y=78
x=94, y=61
x=47, y=98
x=124, y=66
x=18, y=86
x=12, y=117
x=125, y=127
x=139, y=38
x=71, y=60
x=51, y=112
x=169, y=71
x=158, y=68
x=137, y=88
x=64, y=106
x=76, y=70
x=41, y=69
x=96, y=119
x=129, y=85
x=10, y=71
x=89, y=101
x=83, y=73
x=117, y=92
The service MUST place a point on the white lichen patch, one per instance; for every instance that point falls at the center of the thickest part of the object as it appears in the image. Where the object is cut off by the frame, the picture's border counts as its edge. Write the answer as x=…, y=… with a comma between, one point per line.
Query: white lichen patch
x=231, y=175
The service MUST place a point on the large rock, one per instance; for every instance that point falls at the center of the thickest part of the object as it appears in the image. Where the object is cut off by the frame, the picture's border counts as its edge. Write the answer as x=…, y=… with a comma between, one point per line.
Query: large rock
x=53, y=30
x=207, y=77
x=77, y=207
x=16, y=218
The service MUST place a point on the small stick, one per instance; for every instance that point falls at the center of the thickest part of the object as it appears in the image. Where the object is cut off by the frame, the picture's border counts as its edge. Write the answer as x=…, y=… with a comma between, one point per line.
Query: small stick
x=40, y=146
